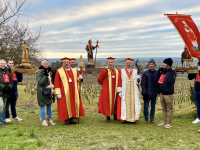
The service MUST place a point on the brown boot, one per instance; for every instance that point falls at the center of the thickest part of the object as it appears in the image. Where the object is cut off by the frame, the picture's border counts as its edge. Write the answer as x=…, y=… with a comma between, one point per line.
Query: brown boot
x=50, y=121
x=66, y=122
x=147, y=121
x=152, y=122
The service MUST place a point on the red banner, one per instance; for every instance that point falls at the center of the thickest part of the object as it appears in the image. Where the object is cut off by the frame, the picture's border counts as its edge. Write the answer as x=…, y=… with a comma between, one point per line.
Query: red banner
x=188, y=31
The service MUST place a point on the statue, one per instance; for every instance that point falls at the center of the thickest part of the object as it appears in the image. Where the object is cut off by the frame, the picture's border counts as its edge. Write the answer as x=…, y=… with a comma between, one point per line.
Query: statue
x=25, y=52
x=187, y=61
x=89, y=48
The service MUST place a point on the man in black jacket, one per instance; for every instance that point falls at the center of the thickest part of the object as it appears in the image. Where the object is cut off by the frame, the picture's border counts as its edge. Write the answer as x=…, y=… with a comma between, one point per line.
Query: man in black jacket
x=196, y=92
x=166, y=90
x=149, y=85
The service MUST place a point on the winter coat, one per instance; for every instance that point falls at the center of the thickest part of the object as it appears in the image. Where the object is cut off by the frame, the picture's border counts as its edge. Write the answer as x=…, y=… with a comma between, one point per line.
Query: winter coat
x=43, y=82
x=167, y=88
x=14, y=94
x=149, y=83
x=2, y=84
x=196, y=84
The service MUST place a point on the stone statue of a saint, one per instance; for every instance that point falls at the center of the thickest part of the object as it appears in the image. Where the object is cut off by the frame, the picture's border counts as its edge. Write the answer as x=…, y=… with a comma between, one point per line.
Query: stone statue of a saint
x=89, y=48
x=25, y=52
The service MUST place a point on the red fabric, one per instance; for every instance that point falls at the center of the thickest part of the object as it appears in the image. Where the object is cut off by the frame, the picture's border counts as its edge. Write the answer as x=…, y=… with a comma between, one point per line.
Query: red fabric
x=197, y=78
x=61, y=103
x=193, y=35
x=161, y=79
x=129, y=59
x=14, y=76
x=90, y=45
x=6, y=78
x=104, y=101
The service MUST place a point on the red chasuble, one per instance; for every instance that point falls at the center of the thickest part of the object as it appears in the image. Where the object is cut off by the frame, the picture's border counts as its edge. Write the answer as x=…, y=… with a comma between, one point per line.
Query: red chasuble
x=107, y=101
x=69, y=104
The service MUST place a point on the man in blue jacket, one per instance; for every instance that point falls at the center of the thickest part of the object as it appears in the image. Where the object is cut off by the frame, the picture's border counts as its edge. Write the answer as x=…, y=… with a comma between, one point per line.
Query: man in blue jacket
x=12, y=99
x=166, y=89
x=150, y=90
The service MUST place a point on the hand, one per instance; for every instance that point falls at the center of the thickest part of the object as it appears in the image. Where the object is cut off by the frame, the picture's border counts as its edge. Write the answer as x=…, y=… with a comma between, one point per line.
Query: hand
x=59, y=96
x=97, y=45
x=120, y=94
x=161, y=69
x=145, y=97
x=7, y=89
x=80, y=77
x=49, y=69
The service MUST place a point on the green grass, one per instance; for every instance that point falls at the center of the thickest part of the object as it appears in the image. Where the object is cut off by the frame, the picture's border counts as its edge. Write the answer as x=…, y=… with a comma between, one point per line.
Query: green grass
x=94, y=132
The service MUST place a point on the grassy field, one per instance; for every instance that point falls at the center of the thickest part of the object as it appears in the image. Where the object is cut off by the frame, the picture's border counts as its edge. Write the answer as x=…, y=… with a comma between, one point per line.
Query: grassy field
x=94, y=132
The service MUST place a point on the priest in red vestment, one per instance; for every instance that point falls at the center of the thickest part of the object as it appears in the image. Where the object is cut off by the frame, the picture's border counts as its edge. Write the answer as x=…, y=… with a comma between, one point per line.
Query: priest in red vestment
x=108, y=79
x=67, y=93
x=128, y=102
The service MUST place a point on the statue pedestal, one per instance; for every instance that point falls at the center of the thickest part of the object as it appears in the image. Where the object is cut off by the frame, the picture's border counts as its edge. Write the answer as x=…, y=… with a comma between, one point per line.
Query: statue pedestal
x=90, y=66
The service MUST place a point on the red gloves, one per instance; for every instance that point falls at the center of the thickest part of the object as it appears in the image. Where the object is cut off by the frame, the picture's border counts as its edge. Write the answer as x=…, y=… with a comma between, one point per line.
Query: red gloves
x=97, y=45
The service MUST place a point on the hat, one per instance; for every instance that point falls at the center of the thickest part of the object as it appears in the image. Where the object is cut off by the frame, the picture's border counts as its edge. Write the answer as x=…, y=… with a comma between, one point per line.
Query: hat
x=65, y=59
x=129, y=60
x=111, y=58
x=168, y=61
x=72, y=60
x=152, y=61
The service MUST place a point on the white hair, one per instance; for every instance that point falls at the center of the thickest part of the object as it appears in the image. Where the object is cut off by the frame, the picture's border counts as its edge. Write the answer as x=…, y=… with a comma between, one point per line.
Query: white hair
x=44, y=61
x=2, y=60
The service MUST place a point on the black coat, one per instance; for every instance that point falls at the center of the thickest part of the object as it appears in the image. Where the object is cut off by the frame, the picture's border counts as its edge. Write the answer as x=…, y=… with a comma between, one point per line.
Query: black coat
x=149, y=83
x=167, y=88
x=196, y=84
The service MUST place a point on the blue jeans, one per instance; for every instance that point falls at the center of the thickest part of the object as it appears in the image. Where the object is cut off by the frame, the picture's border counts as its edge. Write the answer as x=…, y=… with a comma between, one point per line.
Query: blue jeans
x=197, y=100
x=12, y=103
x=2, y=109
x=146, y=108
x=42, y=111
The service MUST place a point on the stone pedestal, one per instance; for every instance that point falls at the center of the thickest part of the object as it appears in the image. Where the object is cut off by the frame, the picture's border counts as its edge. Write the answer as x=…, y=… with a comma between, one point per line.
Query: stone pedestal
x=90, y=66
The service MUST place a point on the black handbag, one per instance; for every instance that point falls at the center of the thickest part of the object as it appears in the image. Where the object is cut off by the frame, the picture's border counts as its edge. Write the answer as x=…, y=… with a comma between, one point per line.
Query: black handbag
x=46, y=91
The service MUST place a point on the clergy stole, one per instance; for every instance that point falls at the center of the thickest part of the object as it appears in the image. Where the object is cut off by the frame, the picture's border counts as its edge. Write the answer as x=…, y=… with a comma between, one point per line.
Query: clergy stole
x=130, y=99
x=111, y=99
x=65, y=79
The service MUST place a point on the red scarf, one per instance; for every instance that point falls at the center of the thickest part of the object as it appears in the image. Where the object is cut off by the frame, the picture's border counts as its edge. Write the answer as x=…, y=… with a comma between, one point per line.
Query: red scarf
x=129, y=74
x=90, y=45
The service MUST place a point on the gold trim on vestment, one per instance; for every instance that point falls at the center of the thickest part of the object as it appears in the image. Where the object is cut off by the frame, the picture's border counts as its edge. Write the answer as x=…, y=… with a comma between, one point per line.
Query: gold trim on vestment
x=57, y=91
x=110, y=88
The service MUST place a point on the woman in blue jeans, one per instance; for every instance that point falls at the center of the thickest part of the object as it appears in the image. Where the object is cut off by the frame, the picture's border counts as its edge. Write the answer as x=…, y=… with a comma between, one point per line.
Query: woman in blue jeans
x=44, y=79
x=149, y=85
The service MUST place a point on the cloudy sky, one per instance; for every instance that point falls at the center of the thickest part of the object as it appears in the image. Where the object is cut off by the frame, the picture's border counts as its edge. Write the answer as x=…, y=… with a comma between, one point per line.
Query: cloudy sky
x=125, y=28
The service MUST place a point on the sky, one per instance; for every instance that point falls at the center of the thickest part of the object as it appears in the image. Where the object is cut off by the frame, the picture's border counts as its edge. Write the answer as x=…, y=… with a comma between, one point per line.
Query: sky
x=124, y=28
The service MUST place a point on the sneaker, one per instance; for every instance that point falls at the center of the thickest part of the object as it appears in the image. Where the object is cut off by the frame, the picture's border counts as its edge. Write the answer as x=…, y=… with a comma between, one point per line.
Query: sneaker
x=196, y=121
x=44, y=123
x=51, y=121
x=199, y=131
x=7, y=120
x=18, y=119
x=167, y=126
x=146, y=121
x=161, y=124
x=152, y=122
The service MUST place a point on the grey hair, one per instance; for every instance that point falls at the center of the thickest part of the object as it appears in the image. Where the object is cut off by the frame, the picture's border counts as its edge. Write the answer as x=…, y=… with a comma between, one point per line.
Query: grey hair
x=44, y=61
x=2, y=60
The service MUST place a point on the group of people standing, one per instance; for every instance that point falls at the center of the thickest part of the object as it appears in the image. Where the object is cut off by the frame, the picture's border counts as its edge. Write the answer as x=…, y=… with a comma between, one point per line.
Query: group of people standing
x=8, y=92
x=119, y=96
x=120, y=91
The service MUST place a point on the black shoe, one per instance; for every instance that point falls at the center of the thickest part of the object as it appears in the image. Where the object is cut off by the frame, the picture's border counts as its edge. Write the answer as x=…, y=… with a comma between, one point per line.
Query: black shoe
x=72, y=122
x=108, y=119
x=115, y=116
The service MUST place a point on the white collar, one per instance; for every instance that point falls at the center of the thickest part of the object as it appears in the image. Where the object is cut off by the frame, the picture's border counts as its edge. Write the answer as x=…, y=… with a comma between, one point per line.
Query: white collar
x=67, y=69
